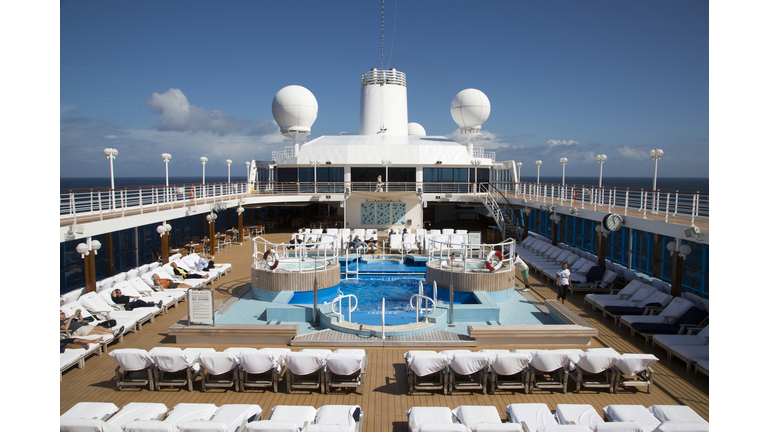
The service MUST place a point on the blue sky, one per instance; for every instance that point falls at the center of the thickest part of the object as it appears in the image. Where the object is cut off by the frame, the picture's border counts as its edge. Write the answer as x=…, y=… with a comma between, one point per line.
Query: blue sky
x=565, y=79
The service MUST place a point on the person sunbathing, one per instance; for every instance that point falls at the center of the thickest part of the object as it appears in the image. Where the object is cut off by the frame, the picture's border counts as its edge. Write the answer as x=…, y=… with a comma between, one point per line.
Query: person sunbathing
x=79, y=328
x=76, y=343
x=185, y=274
x=167, y=283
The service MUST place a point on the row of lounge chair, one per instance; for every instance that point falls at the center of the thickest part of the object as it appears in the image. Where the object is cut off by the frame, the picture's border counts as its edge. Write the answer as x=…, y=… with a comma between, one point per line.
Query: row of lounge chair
x=523, y=369
x=396, y=241
x=547, y=259
x=98, y=306
x=240, y=368
x=198, y=417
x=566, y=417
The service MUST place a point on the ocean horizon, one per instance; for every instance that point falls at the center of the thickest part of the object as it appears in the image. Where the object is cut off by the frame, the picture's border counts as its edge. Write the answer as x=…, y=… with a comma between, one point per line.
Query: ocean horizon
x=675, y=183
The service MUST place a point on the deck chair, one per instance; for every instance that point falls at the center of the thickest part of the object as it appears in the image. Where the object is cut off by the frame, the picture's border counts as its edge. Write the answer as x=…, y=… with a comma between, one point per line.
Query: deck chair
x=218, y=370
x=549, y=370
x=394, y=242
x=634, y=370
x=261, y=368
x=637, y=298
x=578, y=414
x=693, y=317
x=138, y=411
x=286, y=418
x=481, y=418
x=628, y=291
x=594, y=369
x=345, y=368
x=508, y=371
x=228, y=418
x=433, y=419
x=304, y=369
x=467, y=371
x=86, y=425
x=171, y=296
x=691, y=338
x=690, y=354
x=90, y=410
x=410, y=243
x=344, y=417
x=97, y=306
x=669, y=312
x=134, y=368
x=702, y=366
x=631, y=413
x=175, y=367
x=676, y=413
x=532, y=416
x=426, y=370
x=181, y=414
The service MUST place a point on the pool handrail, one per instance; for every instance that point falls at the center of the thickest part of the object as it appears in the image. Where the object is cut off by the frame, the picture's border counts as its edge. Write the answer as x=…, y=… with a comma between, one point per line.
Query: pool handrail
x=426, y=298
x=351, y=309
x=301, y=250
x=441, y=250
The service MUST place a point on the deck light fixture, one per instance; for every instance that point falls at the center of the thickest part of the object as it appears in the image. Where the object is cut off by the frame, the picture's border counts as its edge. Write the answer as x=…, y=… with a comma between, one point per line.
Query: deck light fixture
x=693, y=232
x=84, y=249
x=229, y=165
x=682, y=251
x=166, y=158
x=519, y=171
x=111, y=153
x=655, y=154
x=538, y=170
x=164, y=229
x=600, y=159
x=203, y=160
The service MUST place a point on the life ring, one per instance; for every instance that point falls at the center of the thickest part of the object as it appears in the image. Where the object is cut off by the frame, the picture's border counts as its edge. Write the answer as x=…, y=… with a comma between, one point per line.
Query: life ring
x=266, y=258
x=575, y=193
x=192, y=193
x=493, y=260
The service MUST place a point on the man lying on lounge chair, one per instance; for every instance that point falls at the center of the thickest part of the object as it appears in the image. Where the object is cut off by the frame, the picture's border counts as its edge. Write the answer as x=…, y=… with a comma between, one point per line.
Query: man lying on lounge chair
x=79, y=328
x=167, y=283
x=75, y=343
x=129, y=302
x=187, y=275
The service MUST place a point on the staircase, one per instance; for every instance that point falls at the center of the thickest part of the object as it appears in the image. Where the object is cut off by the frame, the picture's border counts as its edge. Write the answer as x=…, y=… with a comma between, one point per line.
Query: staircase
x=502, y=212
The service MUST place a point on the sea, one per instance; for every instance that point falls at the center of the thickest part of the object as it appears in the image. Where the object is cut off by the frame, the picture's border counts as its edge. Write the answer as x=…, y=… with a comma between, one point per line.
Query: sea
x=674, y=183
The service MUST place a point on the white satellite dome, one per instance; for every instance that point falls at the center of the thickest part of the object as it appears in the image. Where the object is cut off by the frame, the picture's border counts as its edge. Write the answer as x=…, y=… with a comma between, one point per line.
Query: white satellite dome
x=416, y=129
x=470, y=108
x=294, y=109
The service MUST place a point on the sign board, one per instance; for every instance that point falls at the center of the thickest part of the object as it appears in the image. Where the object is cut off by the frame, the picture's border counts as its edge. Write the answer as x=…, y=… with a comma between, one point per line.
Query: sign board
x=200, y=305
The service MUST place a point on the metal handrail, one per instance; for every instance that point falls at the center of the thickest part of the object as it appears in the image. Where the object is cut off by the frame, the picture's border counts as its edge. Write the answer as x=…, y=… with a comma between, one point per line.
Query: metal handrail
x=417, y=307
x=351, y=309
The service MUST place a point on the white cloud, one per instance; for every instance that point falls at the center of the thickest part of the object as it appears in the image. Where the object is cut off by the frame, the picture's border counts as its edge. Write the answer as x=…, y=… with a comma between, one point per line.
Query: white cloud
x=487, y=140
x=632, y=153
x=67, y=108
x=179, y=115
x=562, y=142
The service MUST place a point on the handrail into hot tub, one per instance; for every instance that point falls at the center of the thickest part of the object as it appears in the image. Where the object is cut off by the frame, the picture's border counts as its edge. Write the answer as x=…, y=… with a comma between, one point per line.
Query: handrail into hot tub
x=339, y=313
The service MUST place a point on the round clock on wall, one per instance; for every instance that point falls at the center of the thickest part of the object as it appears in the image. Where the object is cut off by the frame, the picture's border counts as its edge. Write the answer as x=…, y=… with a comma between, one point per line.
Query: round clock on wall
x=613, y=222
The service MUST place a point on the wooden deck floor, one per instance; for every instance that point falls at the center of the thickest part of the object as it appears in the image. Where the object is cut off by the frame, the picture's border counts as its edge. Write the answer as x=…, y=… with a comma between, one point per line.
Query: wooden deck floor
x=384, y=400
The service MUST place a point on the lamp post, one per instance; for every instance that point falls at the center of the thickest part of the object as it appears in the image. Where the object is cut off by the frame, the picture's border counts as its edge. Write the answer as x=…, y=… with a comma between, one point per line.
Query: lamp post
x=111, y=153
x=519, y=175
x=655, y=154
x=166, y=158
x=600, y=159
x=89, y=265
x=386, y=163
x=211, y=218
x=203, y=160
x=229, y=166
x=165, y=235
x=247, y=172
x=563, y=161
x=538, y=170
x=240, y=233
x=314, y=163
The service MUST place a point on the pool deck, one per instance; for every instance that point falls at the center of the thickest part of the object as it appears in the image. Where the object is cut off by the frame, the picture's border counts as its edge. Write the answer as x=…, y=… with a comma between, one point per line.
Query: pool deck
x=384, y=399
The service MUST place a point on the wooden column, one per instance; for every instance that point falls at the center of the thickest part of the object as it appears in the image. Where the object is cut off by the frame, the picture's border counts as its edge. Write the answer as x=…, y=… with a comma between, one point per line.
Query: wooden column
x=109, y=254
x=240, y=228
x=212, y=237
x=677, y=275
x=164, y=246
x=602, y=243
x=89, y=269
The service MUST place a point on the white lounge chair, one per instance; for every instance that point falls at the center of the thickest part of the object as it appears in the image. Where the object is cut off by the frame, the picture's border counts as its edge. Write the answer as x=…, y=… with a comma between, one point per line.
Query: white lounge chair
x=138, y=411
x=218, y=370
x=304, y=369
x=96, y=305
x=549, y=369
x=287, y=418
x=676, y=413
x=345, y=368
x=634, y=370
x=676, y=307
x=594, y=369
x=483, y=418
x=90, y=410
x=261, y=368
x=433, y=419
x=579, y=414
x=394, y=243
x=175, y=367
x=628, y=291
x=341, y=418
x=531, y=415
x=690, y=354
x=426, y=370
x=134, y=368
x=631, y=413
x=86, y=425
x=693, y=337
x=508, y=371
x=467, y=371
x=228, y=418
x=181, y=413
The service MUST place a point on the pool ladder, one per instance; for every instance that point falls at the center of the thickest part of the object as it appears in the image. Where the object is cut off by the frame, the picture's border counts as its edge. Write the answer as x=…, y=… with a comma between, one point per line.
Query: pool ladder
x=339, y=313
x=355, y=272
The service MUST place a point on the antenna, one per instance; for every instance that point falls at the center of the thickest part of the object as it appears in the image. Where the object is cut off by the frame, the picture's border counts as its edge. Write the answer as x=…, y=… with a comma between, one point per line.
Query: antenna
x=382, y=34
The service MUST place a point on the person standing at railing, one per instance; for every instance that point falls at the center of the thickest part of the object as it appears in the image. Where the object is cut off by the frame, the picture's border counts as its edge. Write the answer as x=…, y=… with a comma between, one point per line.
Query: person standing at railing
x=379, y=185
x=523, y=267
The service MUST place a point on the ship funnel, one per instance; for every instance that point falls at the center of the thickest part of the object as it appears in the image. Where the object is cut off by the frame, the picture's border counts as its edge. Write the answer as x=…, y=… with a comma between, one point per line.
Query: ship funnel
x=383, y=103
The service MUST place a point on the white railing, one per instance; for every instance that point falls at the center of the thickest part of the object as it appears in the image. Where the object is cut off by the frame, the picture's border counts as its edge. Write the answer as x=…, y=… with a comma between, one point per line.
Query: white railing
x=351, y=308
x=692, y=205
x=479, y=152
x=288, y=152
x=307, y=255
x=469, y=257
x=375, y=77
